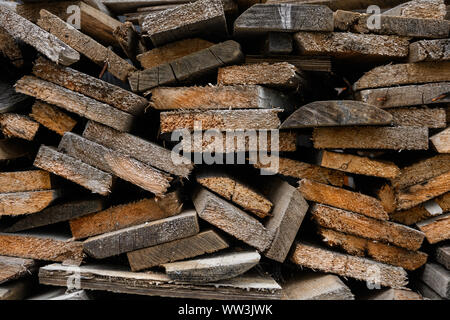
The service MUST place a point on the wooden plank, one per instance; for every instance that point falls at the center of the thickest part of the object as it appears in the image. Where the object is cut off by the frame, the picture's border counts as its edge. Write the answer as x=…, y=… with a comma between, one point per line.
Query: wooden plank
x=395, y=294
x=74, y=170
x=358, y=165
x=93, y=22
x=347, y=45
x=378, y=251
x=278, y=43
x=41, y=247
x=304, y=63
x=14, y=148
x=20, y=203
x=142, y=236
x=52, y=117
x=316, y=286
x=423, y=211
x=386, y=195
x=344, y=4
x=418, y=117
x=57, y=213
x=172, y=51
x=365, y=227
x=419, y=193
x=47, y=44
x=336, y=113
x=116, y=163
x=10, y=49
x=443, y=256
x=441, y=141
x=90, y=86
x=324, y=260
x=425, y=9
x=395, y=138
x=342, y=198
x=204, y=242
x=118, y=279
x=236, y=191
x=75, y=102
x=297, y=169
x=29, y=180
x=125, y=215
x=437, y=278
x=429, y=50
x=404, y=74
x=220, y=119
x=15, y=125
x=426, y=291
x=187, y=20
x=278, y=75
x=403, y=96
x=232, y=220
x=436, y=229
x=263, y=18
x=210, y=269
x=391, y=25
x=218, y=97
x=140, y=149
x=188, y=68
x=289, y=210
x=85, y=45
x=12, y=268
x=129, y=40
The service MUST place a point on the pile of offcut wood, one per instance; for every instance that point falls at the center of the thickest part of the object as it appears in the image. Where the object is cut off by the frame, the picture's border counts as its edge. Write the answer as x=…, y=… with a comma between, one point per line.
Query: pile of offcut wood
x=352, y=111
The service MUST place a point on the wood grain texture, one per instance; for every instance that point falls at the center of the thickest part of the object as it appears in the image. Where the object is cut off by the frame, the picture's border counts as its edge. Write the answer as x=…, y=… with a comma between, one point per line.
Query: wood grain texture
x=365, y=227
x=404, y=96
x=75, y=102
x=10, y=49
x=441, y=141
x=386, y=195
x=29, y=180
x=85, y=45
x=138, y=148
x=342, y=198
x=74, y=170
x=425, y=9
x=395, y=294
x=218, y=267
x=260, y=119
x=52, y=118
x=346, y=45
x=57, y=213
x=305, y=63
x=263, y=18
x=125, y=215
x=418, y=117
x=404, y=74
x=12, y=268
x=324, y=260
x=437, y=278
x=142, y=236
x=20, y=203
x=436, y=229
x=443, y=256
x=358, y=165
x=129, y=40
x=116, y=163
x=14, y=125
x=336, y=113
x=116, y=279
x=231, y=219
x=345, y=4
x=394, y=138
x=90, y=86
x=204, y=242
x=429, y=50
x=187, y=20
x=378, y=251
x=47, y=44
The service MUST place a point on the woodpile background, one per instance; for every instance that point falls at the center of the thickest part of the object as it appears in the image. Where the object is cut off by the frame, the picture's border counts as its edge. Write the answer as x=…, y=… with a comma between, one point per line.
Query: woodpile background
x=94, y=203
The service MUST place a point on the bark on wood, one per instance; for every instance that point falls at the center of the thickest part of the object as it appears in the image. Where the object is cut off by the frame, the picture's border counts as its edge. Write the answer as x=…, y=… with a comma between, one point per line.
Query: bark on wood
x=19, y=181
x=140, y=149
x=142, y=236
x=443, y=256
x=348, y=266
x=14, y=268
x=19, y=203
x=47, y=44
x=210, y=269
x=74, y=170
x=187, y=20
x=116, y=163
x=52, y=117
x=395, y=138
x=436, y=229
x=429, y=50
x=437, y=278
x=90, y=86
x=125, y=215
x=378, y=251
x=85, y=45
x=441, y=141
x=204, y=242
x=418, y=117
x=75, y=102
x=15, y=125
x=341, y=198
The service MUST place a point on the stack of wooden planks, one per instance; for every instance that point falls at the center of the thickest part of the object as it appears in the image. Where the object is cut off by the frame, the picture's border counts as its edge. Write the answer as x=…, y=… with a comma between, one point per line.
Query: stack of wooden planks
x=222, y=149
